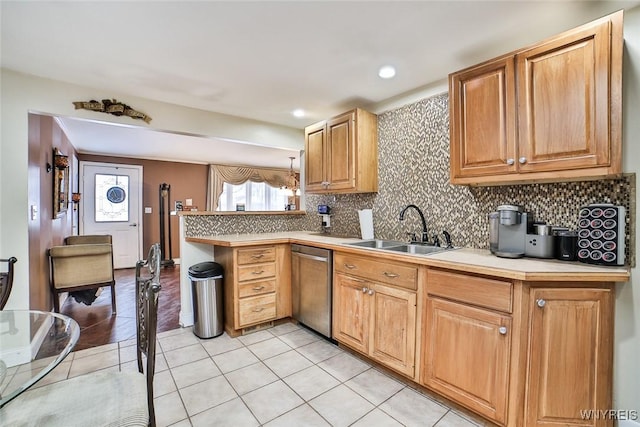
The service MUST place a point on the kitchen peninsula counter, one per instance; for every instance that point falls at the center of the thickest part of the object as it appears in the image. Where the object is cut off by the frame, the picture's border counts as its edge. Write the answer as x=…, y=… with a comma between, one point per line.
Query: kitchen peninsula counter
x=479, y=261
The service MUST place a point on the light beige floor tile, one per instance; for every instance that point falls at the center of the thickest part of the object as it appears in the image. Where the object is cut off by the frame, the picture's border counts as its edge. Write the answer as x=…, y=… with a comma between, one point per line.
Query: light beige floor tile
x=271, y=401
x=95, y=350
x=176, y=331
x=268, y=348
x=84, y=365
x=311, y=382
x=163, y=384
x=59, y=373
x=288, y=363
x=233, y=413
x=236, y=359
x=128, y=343
x=183, y=423
x=341, y=406
x=221, y=344
x=169, y=409
x=451, y=419
x=128, y=353
x=376, y=418
x=255, y=337
x=343, y=366
x=284, y=328
x=250, y=377
x=35, y=364
x=374, y=386
x=303, y=415
x=299, y=338
x=161, y=363
x=185, y=355
x=175, y=341
x=413, y=409
x=195, y=372
x=318, y=351
x=206, y=394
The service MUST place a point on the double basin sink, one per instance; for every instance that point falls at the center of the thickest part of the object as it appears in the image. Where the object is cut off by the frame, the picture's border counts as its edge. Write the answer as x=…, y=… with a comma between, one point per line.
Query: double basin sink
x=395, y=246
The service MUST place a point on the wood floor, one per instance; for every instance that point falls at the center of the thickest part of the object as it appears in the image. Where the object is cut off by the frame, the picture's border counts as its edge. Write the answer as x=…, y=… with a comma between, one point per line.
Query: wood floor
x=99, y=327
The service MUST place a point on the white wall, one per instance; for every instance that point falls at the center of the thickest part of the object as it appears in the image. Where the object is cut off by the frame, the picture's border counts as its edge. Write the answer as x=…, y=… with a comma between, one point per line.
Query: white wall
x=21, y=94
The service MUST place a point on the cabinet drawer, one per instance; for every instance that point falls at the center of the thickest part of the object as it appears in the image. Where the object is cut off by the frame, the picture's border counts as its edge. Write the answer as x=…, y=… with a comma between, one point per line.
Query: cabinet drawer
x=402, y=275
x=258, y=287
x=257, y=309
x=256, y=255
x=256, y=271
x=480, y=291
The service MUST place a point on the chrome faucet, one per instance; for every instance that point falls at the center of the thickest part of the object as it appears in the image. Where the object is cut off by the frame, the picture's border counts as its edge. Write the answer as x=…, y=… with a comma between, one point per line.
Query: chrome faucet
x=425, y=233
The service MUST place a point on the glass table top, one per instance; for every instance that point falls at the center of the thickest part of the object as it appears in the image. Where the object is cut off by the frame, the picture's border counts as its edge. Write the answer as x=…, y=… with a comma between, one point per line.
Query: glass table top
x=32, y=343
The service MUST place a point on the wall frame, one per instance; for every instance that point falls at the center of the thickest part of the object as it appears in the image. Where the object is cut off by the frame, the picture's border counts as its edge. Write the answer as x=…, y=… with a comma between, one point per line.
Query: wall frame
x=60, y=183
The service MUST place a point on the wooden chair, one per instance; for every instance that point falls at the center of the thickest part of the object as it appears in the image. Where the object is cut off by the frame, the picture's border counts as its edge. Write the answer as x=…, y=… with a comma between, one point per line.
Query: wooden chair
x=6, y=281
x=82, y=263
x=102, y=398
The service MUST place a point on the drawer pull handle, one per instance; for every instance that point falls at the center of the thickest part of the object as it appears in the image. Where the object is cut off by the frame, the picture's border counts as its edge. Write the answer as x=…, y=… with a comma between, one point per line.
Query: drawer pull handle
x=391, y=275
x=350, y=266
x=541, y=303
x=258, y=288
x=502, y=330
x=258, y=310
x=258, y=256
x=257, y=272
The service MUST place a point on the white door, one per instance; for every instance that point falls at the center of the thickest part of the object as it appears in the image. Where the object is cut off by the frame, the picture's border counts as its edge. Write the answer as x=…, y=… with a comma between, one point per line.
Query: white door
x=112, y=204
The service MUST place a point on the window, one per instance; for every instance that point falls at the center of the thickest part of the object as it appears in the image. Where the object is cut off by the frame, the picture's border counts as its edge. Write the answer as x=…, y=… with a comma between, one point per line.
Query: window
x=112, y=203
x=256, y=196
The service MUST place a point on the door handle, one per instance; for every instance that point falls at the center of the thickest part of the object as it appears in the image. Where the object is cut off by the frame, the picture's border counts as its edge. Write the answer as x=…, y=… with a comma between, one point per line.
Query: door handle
x=133, y=225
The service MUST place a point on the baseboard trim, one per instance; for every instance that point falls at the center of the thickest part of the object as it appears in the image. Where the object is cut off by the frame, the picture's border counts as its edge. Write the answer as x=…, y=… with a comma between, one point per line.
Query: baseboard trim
x=186, y=318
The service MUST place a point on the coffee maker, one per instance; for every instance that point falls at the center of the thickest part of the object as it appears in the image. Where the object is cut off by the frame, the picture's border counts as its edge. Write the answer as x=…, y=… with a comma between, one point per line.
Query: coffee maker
x=508, y=230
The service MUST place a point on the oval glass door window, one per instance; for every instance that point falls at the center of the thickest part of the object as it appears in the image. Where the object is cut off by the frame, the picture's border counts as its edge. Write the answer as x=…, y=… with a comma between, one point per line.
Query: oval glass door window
x=116, y=195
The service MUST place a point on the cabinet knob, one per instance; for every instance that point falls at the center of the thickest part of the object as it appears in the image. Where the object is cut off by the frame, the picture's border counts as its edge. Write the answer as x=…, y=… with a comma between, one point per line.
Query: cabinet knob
x=371, y=291
x=522, y=160
x=510, y=162
x=502, y=330
x=541, y=303
x=364, y=290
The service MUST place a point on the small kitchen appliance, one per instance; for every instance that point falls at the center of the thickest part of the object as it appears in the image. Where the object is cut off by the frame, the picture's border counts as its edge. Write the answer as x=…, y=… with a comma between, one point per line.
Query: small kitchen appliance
x=508, y=230
x=540, y=243
x=601, y=233
x=325, y=212
x=566, y=245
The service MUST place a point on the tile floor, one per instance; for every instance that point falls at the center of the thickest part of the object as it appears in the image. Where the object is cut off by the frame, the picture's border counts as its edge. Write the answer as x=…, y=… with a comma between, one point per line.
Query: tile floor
x=282, y=376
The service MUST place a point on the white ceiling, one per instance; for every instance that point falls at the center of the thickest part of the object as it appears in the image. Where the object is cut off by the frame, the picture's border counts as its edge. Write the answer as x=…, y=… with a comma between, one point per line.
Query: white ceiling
x=263, y=59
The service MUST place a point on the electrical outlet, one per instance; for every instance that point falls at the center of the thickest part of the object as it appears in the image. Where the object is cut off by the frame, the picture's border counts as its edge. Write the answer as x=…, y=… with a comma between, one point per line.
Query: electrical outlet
x=147, y=209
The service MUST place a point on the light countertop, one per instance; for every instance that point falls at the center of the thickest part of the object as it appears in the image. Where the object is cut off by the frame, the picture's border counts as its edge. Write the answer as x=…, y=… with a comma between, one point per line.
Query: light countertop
x=464, y=259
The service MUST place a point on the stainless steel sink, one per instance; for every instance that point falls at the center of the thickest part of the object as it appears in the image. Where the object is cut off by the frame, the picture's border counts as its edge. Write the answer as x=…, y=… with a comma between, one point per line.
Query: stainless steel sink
x=376, y=244
x=416, y=249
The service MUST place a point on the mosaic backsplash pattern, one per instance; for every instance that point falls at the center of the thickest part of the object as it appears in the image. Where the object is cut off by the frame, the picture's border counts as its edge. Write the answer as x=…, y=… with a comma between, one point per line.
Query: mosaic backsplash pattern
x=413, y=145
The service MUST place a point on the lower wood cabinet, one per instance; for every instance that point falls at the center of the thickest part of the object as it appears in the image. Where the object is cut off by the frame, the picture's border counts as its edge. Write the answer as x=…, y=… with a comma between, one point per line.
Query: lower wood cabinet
x=374, y=318
x=466, y=349
x=570, y=356
x=257, y=285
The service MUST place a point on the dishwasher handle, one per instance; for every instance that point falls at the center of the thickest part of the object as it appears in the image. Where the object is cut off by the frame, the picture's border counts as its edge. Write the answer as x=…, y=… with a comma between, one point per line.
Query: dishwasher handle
x=312, y=257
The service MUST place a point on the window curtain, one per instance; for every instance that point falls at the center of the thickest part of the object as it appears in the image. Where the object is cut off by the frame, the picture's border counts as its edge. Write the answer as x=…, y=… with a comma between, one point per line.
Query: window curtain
x=219, y=174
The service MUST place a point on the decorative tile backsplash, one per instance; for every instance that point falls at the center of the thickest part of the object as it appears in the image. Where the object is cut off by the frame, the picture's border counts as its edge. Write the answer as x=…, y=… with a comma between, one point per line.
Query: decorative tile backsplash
x=413, y=148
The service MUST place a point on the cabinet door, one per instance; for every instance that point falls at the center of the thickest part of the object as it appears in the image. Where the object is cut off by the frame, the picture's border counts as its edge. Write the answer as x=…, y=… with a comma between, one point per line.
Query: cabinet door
x=483, y=123
x=341, y=152
x=351, y=312
x=563, y=101
x=393, y=328
x=315, y=157
x=466, y=356
x=570, y=356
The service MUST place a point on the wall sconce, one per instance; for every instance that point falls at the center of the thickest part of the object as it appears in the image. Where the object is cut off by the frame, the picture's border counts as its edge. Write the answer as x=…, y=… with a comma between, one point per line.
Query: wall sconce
x=75, y=198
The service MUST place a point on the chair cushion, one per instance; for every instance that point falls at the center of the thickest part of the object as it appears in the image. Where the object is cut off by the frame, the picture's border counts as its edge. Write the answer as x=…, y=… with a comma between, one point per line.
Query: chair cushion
x=97, y=399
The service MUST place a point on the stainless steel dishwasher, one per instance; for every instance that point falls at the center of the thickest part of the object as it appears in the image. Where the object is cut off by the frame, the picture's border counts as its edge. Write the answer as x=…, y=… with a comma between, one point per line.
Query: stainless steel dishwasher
x=311, y=270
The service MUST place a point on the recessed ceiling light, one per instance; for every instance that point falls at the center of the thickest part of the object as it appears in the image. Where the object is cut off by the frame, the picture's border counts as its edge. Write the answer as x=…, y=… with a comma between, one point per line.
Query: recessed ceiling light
x=387, y=72
x=298, y=112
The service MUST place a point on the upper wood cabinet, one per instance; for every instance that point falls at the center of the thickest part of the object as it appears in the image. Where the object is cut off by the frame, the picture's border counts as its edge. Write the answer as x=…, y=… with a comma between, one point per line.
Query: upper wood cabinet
x=550, y=112
x=341, y=154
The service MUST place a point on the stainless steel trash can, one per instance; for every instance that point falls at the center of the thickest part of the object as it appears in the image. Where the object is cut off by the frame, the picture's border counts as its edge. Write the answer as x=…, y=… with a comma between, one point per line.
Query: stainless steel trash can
x=206, y=293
